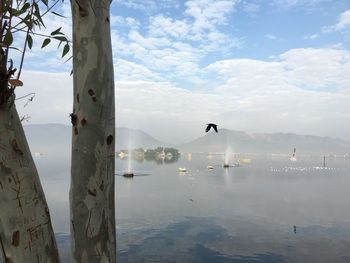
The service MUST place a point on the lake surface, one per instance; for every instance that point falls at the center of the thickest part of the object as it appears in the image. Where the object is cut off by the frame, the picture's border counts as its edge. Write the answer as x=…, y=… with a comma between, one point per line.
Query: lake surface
x=271, y=210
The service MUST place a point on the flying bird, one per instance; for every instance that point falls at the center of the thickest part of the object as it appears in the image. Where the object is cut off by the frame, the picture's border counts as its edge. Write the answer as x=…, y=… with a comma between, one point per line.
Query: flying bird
x=209, y=125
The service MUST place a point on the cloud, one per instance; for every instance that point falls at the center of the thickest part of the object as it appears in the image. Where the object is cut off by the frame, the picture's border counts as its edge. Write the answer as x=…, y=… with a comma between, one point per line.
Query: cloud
x=270, y=36
x=303, y=91
x=177, y=45
x=129, y=71
x=312, y=37
x=344, y=21
x=147, y=5
x=293, y=3
x=251, y=8
x=342, y=24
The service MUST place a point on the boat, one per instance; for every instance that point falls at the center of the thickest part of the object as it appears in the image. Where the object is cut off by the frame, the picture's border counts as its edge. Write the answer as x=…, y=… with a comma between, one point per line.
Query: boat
x=234, y=165
x=182, y=170
x=210, y=167
x=128, y=174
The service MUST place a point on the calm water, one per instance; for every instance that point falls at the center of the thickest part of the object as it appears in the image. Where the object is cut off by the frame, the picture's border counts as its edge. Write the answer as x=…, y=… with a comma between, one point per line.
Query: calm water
x=271, y=210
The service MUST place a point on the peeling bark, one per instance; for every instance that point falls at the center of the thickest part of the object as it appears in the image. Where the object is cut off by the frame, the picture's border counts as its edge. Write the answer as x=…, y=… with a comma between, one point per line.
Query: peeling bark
x=26, y=233
x=92, y=201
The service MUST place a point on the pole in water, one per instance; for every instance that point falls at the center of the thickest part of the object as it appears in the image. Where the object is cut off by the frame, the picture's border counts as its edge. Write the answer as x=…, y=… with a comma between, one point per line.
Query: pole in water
x=324, y=160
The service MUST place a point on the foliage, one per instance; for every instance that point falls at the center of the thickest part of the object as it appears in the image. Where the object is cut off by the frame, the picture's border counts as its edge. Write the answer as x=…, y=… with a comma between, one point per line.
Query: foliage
x=20, y=23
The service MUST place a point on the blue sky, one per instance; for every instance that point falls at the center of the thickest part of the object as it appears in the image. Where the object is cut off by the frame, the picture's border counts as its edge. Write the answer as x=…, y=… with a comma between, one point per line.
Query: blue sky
x=257, y=66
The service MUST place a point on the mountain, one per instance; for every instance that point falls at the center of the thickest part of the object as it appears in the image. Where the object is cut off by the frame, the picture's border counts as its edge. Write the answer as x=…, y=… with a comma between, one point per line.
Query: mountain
x=130, y=139
x=56, y=139
x=279, y=143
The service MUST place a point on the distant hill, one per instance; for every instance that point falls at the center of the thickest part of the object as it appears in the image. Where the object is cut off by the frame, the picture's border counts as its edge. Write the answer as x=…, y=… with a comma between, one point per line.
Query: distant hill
x=130, y=139
x=56, y=138
x=279, y=143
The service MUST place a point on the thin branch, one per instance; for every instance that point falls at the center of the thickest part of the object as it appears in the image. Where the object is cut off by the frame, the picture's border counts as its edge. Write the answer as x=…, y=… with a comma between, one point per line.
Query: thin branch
x=29, y=94
x=41, y=35
x=25, y=42
x=9, y=27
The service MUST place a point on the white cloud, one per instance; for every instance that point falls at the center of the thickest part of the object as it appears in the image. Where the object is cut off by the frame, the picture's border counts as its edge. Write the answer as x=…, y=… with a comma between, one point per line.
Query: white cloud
x=124, y=21
x=270, y=36
x=290, y=94
x=292, y=3
x=178, y=45
x=344, y=20
x=149, y=5
x=166, y=26
x=343, y=23
x=129, y=71
x=312, y=37
x=251, y=8
x=208, y=14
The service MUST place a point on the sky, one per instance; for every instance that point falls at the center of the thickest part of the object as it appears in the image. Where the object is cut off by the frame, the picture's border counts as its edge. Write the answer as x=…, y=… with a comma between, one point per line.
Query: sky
x=257, y=66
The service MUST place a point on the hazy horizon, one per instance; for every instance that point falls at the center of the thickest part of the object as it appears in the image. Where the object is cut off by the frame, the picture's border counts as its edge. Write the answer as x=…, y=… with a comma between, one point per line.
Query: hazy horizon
x=241, y=64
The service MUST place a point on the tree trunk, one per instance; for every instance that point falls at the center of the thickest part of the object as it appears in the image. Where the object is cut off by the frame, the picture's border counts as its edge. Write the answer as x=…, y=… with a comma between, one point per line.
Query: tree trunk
x=92, y=201
x=26, y=233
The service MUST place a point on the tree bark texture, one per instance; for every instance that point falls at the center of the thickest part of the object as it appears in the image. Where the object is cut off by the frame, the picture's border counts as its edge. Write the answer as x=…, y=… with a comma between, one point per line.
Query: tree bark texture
x=26, y=233
x=92, y=197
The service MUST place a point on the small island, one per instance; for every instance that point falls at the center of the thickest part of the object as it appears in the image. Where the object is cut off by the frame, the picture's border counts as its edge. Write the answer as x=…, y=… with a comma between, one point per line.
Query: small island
x=159, y=155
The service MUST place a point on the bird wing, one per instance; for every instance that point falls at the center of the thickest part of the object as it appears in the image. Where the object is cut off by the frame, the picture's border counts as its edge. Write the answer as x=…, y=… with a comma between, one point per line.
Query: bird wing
x=215, y=128
x=208, y=128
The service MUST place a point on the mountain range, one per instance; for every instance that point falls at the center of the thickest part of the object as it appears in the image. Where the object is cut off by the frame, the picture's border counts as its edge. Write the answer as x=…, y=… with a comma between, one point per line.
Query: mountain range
x=56, y=138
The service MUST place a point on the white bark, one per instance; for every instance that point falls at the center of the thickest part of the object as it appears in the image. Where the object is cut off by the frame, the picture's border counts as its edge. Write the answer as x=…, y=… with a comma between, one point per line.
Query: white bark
x=26, y=233
x=92, y=201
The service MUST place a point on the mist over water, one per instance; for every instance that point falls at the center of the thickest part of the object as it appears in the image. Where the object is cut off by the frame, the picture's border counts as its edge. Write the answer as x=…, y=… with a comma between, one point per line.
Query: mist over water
x=271, y=210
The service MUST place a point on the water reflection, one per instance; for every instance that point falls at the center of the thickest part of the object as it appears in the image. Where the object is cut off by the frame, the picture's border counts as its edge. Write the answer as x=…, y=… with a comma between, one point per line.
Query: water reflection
x=267, y=210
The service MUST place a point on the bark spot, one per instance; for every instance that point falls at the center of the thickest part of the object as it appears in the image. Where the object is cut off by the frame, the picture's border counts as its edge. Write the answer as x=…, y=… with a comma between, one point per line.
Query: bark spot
x=35, y=188
x=10, y=180
x=15, y=238
x=92, y=95
x=74, y=119
x=73, y=225
x=107, y=19
x=102, y=185
x=92, y=192
x=78, y=99
x=109, y=139
x=47, y=212
x=82, y=8
x=15, y=147
x=83, y=122
x=91, y=92
x=76, y=131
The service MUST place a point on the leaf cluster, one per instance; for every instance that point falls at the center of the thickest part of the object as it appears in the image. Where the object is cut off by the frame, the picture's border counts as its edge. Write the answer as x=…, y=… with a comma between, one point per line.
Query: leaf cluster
x=21, y=22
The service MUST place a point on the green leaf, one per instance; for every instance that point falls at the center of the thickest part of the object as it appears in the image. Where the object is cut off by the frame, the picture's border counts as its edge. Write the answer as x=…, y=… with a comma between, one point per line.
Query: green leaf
x=57, y=14
x=56, y=32
x=30, y=41
x=18, y=12
x=8, y=38
x=25, y=6
x=46, y=42
x=46, y=2
x=65, y=49
x=37, y=13
x=61, y=38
